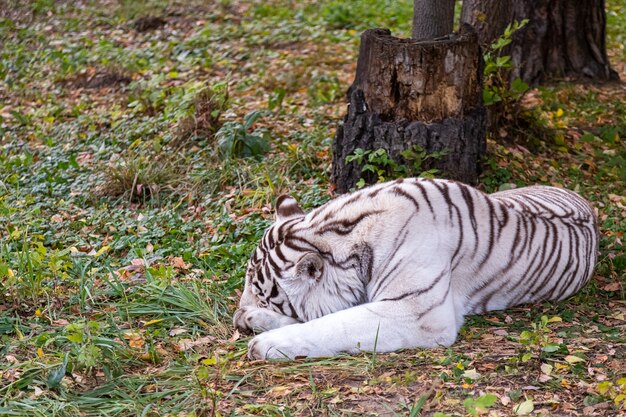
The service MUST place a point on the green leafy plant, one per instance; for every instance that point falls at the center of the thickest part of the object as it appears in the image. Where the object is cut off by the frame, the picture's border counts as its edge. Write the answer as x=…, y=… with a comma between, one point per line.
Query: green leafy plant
x=502, y=96
x=235, y=140
x=147, y=95
x=379, y=163
x=497, y=88
x=324, y=89
x=538, y=339
x=29, y=269
x=479, y=405
x=276, y=98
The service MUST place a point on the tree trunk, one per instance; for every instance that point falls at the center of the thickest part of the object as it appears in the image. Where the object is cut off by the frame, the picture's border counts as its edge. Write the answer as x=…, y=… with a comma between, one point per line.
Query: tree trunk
x=432, y=18
x=563, y=38
x=408, y=93
x=488, y=17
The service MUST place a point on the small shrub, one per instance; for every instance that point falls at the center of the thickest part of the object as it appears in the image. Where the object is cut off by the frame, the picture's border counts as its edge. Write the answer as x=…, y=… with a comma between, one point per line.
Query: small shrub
x=339, y=16
x=324, y=89
x=101, y=77
x=148, y=96
x=503, y=97
x=148, y=23
x=497, y=88
x=205, y=111
x=138, y=177
x=234, y=139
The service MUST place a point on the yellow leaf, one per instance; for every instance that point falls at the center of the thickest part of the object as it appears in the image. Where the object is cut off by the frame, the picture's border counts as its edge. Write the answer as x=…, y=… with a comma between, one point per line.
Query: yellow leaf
x=40, y=352
x=148, y=323
x=603, y=387
x=618, y=316
x=573, y=359
x=209, y=361
x=102, y=250
x=279, y=391
x=555, y=319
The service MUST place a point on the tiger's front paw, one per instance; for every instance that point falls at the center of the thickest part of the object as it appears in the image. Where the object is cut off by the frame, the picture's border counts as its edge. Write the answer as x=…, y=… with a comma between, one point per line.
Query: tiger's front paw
x=277, y=344
x=288, y=342
x=251, y=319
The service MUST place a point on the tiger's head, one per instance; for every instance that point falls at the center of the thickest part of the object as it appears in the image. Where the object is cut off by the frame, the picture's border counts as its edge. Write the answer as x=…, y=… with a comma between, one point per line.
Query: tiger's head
x=297, y=276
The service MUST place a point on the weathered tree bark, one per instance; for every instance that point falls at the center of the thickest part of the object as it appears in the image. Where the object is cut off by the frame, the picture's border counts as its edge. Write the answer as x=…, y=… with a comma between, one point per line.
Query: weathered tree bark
x=563, y=39
x=408, y=93
x=488, y=17
x=432, y=18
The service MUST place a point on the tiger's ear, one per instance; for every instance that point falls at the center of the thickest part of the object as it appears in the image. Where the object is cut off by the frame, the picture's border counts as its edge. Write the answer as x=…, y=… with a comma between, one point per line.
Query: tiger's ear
x=287, y=207
x=310, y=266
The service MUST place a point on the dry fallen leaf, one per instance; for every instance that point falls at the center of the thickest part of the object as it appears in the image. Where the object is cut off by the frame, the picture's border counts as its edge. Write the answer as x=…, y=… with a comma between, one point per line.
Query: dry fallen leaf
x=136, y=342
x=177, y=330
x=37, y=392
x=279, y=391
x=613, y=286
x=138, y=262
x=235, y=336
x=187, y=344
x=177, y=262
x=544, y=378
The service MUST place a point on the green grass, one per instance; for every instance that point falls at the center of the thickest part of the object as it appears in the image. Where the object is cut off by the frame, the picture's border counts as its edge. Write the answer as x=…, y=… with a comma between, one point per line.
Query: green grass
x=125, y=233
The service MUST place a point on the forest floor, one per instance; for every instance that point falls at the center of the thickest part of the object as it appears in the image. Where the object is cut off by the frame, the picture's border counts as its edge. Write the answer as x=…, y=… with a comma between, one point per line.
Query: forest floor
x=125, y=224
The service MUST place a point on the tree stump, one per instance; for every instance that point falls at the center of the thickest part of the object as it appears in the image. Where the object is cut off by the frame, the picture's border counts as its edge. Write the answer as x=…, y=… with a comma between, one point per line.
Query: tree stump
x=407, y=93
x=563, y=39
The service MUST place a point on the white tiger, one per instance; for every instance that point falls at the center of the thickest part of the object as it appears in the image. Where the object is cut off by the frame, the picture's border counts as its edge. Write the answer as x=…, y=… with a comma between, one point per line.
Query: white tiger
x=399, y=264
